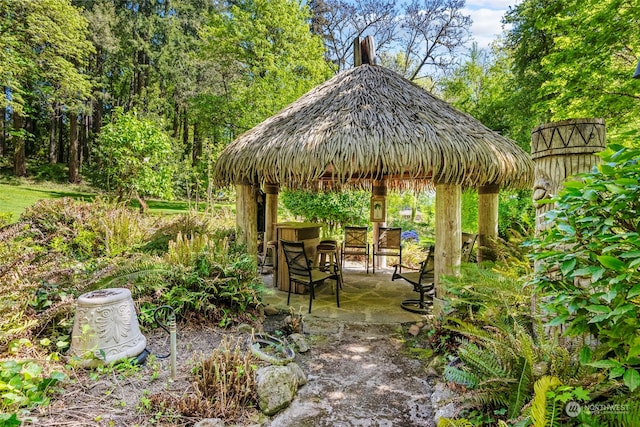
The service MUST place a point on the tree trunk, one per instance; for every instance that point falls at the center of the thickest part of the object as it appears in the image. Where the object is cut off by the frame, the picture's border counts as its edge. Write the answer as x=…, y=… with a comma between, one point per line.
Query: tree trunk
x=61, y=146
x=19, y=157
x=197, y=144
x=74, y=176
x=144, y=207
x=3, y=133
x=85, y=134
x=96, y=122
x=185, y=128
x=52, y=135
x=176, y=121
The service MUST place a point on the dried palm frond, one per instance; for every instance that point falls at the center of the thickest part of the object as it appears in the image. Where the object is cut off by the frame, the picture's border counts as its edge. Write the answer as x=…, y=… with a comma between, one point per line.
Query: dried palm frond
x=369, y=123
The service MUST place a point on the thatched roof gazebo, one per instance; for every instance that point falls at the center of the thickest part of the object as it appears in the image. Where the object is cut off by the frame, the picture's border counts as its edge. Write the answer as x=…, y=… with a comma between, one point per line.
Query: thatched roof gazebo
x=369, y=123
x=369, y=127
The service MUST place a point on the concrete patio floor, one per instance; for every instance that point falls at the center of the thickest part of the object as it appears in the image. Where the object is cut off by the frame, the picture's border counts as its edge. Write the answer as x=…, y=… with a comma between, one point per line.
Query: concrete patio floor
x=364, y=298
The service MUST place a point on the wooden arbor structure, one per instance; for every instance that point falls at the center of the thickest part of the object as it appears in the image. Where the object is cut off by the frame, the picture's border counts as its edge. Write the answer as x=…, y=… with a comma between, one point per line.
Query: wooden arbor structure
x=369, y=127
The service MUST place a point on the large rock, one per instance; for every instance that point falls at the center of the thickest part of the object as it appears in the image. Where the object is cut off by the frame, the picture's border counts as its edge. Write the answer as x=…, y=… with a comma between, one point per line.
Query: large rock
x=443, y=400
x=277, y=385
x=300, y=341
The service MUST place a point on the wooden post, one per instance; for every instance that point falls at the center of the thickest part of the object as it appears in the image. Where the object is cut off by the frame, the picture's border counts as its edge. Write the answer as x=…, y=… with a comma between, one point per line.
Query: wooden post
x=379, y=189
x=247, y=218
x=487, y=222
x=364, y=51
x=560, y=150
x=357, y=55
x=271, y=213
x=448, y=236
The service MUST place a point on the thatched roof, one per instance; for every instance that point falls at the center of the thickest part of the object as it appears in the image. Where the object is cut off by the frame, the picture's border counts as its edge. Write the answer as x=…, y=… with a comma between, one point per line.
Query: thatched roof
x=371, y=123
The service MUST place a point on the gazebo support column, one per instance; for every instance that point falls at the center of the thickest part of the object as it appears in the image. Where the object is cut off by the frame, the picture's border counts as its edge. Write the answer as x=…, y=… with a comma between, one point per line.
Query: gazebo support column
x=271, y=212
x=247, y=218
x=448, y=236
x=487, y=222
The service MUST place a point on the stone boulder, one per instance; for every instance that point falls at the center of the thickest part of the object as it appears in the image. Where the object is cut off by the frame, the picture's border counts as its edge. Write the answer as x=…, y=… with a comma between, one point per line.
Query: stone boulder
x=300, y=341
x=277, y=386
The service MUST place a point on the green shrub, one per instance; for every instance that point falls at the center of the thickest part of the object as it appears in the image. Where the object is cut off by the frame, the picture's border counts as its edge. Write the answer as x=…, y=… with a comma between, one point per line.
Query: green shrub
x=588, y=261
x=208, y=275
x=25, y=384
x=135, y=157
x=504, y=349
x=332, y=209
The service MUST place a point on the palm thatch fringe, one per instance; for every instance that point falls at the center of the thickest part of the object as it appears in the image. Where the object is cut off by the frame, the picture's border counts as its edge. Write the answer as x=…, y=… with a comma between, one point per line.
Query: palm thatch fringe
x=369, y=123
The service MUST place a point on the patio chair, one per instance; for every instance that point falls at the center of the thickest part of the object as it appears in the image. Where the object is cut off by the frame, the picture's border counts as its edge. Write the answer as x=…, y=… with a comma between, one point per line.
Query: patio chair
x=302, y=272
x=389, y=244
x=423, y=283
x=355, y=243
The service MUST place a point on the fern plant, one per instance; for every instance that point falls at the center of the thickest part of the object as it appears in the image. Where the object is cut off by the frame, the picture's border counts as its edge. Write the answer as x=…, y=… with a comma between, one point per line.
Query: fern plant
x=505, y=348
x=539, y=405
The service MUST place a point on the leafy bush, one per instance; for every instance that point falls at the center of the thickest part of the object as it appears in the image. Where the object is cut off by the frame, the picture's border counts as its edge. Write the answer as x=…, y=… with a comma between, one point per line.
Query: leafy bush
x=332, y=209
x=82, y=230
x=504, y=349
x=135, y=158
x=189, y=224
x=24, y=384
x=516, y=214
x=208, y=275
x=588, y=263
x=586, y=282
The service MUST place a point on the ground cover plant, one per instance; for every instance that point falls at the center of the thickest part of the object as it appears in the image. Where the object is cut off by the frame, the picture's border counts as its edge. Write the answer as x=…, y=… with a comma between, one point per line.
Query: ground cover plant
x=62, y=248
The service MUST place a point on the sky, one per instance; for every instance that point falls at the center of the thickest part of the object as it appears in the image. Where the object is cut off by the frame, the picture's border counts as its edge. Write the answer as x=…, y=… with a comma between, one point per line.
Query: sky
x=486, y=16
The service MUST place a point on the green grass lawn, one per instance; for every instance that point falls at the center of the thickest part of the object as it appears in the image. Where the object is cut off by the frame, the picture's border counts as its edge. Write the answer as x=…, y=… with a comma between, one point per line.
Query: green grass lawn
x=16, y=196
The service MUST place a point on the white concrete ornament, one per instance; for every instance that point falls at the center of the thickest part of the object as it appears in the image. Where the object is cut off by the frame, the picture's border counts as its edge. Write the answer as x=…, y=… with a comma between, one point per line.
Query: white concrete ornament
x=106, y=328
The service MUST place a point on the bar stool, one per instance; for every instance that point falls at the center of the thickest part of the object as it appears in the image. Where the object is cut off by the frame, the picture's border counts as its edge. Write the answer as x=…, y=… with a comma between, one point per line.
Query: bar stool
x=327, y=257
x=270, y=251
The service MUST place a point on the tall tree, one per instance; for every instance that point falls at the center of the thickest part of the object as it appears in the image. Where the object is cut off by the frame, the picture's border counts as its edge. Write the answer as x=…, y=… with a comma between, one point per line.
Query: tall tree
x=419, y=40
x=44, y=47
x=484, y=86
x=434, y=31
x=264, y=57
x=102, y=22
x=575, y=58
x=341, y=21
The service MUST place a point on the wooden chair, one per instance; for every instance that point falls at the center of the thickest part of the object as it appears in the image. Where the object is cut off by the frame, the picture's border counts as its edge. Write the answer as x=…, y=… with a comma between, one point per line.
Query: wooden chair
x=389, y=244
x=302, y=272
x=423, y=283
x=355, y=243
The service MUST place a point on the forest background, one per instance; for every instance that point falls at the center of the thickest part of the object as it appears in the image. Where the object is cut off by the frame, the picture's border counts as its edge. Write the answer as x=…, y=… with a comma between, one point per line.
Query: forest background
x=84, y=79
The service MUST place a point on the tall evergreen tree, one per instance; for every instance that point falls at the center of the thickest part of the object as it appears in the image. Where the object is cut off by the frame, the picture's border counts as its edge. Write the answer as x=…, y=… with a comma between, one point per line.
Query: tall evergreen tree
x=44, y=50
